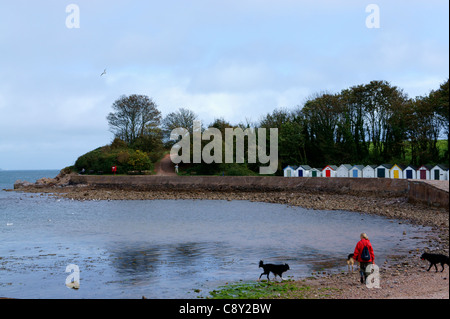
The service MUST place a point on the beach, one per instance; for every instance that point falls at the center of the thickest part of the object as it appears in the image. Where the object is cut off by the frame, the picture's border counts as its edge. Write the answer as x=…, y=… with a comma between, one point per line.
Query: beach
x=402, y=277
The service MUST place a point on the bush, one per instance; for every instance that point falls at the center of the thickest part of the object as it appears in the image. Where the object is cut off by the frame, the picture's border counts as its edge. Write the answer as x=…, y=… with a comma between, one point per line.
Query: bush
x=118, y=144
x=139, y=161
x=238, y=170
x=228, y=169
x=104, y=158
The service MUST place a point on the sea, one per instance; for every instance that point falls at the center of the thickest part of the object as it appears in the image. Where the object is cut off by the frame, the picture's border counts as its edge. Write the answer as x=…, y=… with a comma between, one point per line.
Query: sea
x=171, y=249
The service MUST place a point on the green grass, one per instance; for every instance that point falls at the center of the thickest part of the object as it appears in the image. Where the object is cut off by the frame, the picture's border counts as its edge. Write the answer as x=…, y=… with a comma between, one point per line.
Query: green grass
x=441, y=146
x=260, y=290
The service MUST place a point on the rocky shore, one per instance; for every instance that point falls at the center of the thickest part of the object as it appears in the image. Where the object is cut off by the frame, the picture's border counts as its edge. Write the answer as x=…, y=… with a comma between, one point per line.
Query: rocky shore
x=403, y=277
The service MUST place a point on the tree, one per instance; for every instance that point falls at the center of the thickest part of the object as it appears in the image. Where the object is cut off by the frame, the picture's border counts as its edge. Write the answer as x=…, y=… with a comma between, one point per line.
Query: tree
x=322, y=114
x=381, y=106
x=439, y=100
x=290, y=138
x=183, y=118
x=221, y=125
x=132, y=115
x=354, y=113
x=424, y=131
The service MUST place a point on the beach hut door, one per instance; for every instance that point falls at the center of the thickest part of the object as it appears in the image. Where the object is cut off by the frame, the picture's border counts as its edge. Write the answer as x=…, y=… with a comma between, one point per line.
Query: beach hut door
x=395, y=174
x=355, y=173
x=408, y=174
x=300, y=173
x=328, y=173
x=381, y=172
x=436, y=174
x=423, y=174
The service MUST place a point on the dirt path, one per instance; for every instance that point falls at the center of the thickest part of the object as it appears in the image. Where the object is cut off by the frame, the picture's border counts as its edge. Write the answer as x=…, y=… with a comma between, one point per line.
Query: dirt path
x=165, y=167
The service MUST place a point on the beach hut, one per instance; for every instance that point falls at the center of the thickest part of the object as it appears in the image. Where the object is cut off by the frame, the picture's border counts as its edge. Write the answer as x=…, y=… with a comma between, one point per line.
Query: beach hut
x=439, y=173
x=329, y=171
x=410, y=172
x=303, y=171
x=424, y=172
x=356, y=171
x=289, y=171
x=382, y=171
x=343, y=170
x=396, y=171
x=369, y=171
x=316, y=172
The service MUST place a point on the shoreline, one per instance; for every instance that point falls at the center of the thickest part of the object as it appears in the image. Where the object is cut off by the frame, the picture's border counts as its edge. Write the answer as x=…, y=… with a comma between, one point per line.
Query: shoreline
x=404, y=277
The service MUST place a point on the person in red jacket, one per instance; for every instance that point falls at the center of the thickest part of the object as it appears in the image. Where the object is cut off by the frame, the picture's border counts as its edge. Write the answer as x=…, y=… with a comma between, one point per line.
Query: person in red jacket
x=364, y=255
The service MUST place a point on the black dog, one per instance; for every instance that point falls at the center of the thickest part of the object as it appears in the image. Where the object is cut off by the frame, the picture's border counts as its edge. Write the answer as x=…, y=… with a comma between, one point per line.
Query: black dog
x=435, y=259
x=275, y=269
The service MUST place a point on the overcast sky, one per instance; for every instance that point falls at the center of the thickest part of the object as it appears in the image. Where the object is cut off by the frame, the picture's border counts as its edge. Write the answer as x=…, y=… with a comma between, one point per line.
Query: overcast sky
x=236, y=59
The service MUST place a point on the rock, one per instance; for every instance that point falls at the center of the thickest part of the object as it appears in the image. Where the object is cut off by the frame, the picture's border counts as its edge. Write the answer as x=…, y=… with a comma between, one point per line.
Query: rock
x=45, y=182
x=22, y=184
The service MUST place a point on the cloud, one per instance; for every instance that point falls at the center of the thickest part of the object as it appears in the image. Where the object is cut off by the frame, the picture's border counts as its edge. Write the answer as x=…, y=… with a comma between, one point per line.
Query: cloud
x=231, y=59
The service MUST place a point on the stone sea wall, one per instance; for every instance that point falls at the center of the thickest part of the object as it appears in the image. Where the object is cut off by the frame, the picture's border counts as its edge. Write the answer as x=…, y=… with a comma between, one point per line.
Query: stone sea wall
x=422, y=192
x=416, y=191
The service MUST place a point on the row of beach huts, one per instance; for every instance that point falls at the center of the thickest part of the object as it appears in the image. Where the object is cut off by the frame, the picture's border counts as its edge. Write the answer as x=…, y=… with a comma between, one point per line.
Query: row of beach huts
x=426, y=172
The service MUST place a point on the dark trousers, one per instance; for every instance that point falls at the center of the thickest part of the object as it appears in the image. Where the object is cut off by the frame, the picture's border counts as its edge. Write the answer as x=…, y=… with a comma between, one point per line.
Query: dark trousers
x=362, y=271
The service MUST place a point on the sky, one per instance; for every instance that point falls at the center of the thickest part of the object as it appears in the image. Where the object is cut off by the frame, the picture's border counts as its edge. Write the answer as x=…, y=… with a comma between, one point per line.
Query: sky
x=233, y=59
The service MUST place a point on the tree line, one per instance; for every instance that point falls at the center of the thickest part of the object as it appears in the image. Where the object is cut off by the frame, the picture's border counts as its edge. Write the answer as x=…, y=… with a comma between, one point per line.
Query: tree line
x=372, y=123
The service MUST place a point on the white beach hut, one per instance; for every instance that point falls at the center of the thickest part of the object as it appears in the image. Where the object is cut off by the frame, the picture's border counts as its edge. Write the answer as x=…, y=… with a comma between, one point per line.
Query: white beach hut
x=382, y=171
x=303, y=171
x=410, y=172
x=356, y=171
x=316, y=172
x=329, y=171
x=396, y=171
x=439, y=173
x=343, y=170
x=369, y=171
x=289, y=171
x=424, y=172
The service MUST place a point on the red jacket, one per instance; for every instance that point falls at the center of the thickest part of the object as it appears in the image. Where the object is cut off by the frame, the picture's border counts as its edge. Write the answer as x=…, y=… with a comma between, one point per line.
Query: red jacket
x=359, y=248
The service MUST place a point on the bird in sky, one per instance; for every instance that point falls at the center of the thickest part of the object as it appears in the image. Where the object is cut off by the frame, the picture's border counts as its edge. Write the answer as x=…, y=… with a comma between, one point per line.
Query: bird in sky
x=104, y=72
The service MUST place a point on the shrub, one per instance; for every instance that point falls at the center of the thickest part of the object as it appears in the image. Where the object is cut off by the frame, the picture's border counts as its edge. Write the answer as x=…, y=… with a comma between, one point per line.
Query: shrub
x=118, y=144
x=139, y=161
x=103, y=158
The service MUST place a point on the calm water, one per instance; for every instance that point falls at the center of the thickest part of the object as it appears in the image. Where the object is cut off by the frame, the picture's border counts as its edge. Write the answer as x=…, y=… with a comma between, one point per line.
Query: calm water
x=170, y=248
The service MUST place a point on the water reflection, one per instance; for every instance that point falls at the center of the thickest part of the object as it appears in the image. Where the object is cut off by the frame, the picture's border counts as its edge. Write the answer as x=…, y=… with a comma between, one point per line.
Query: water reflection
x=164, y=249
x=144, y=262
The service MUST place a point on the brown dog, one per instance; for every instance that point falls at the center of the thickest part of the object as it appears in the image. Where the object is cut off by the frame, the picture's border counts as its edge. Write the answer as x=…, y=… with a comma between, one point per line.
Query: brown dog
x=350, y=262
